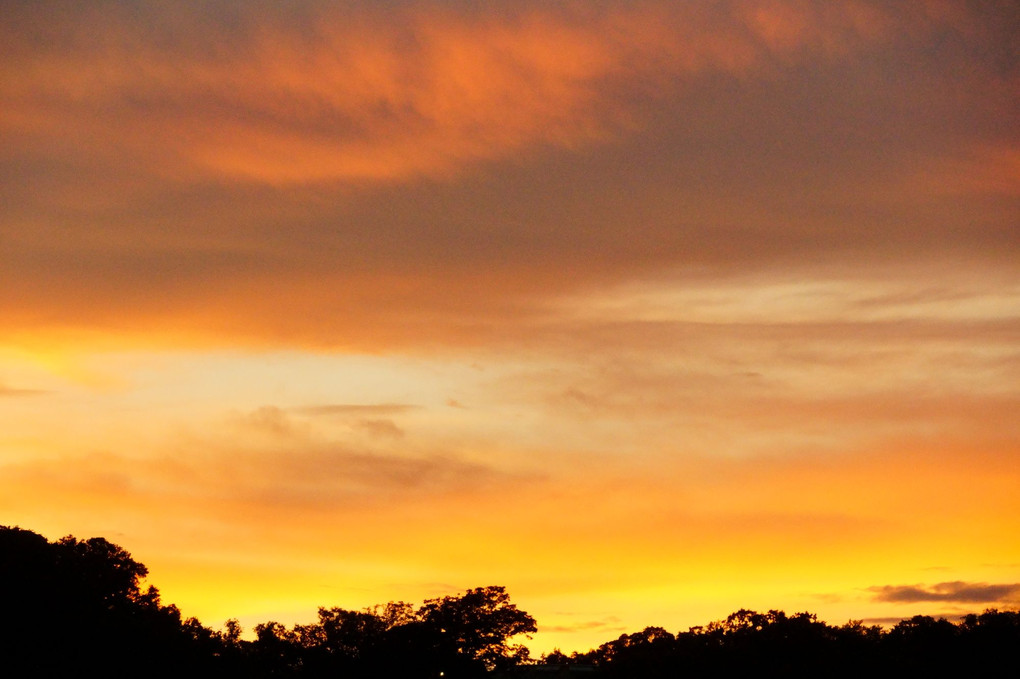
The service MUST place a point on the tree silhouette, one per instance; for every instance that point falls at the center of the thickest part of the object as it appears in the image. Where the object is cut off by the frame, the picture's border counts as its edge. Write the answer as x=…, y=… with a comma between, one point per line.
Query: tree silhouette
x=76, y=605
x=474, y=629
x=453, y=637
x=80, y=607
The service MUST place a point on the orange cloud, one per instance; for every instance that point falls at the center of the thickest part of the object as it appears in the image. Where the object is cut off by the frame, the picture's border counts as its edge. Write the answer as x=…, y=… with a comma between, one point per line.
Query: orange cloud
x=342, y=177
x=352, y=96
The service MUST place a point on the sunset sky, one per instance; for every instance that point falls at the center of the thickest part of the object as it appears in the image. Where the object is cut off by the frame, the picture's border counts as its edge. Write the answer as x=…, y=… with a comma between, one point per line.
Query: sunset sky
x=647, y=311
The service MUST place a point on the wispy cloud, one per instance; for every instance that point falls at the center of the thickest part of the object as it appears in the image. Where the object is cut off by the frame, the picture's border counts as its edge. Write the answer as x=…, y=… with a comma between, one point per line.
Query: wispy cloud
x=354, y=410
x=956, y=592
x=610, y=624
x=15, y=392
x=322, y=478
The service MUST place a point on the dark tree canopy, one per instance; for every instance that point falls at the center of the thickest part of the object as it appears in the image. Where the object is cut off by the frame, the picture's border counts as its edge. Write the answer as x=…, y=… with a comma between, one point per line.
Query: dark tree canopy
x=454, y=636
x=74, y=604
x=479, y=624
x=774, y=644
x=80, y=607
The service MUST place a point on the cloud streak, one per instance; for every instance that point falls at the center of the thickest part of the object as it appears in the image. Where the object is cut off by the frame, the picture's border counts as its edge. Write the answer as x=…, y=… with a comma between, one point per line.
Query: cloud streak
x=954, y=592
x=291, y=479
x=607, y=626
x=354, y=410
x=15, y=392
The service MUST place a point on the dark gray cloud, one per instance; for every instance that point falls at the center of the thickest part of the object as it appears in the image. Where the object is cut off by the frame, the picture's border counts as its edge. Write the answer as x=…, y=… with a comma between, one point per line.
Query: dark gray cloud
x=956, y=592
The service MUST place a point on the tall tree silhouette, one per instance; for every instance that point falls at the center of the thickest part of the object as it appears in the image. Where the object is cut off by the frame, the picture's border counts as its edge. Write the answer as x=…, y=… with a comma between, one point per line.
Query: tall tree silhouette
x=474, y=630
x=74, y=605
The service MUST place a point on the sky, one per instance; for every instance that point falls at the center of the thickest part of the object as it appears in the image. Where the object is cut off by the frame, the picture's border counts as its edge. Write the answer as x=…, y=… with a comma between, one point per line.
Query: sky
x=647, y=311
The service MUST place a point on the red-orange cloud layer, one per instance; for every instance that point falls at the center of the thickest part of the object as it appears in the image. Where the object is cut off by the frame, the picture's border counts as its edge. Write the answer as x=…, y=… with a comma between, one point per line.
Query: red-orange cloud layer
x=345, y=94
x=352, y=163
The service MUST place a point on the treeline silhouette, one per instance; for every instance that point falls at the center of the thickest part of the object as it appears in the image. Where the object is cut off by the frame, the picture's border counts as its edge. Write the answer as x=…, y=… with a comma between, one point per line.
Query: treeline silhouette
x=78, y=608
x=774, y=644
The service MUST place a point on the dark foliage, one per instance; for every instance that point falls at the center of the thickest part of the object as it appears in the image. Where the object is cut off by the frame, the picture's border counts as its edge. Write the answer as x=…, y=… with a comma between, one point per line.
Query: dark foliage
x=74, y=605
x=774, y=644
x=78, y=608
x=461, y=636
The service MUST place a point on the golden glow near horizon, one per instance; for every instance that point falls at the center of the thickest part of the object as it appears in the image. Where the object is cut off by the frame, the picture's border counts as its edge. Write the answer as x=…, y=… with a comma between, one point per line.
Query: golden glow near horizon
x=646, y=311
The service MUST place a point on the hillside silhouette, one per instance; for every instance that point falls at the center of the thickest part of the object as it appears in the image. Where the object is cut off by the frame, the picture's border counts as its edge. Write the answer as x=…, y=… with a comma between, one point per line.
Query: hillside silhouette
x=78, y=607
